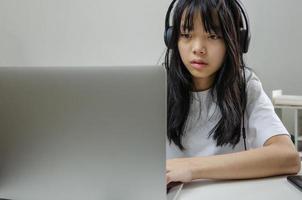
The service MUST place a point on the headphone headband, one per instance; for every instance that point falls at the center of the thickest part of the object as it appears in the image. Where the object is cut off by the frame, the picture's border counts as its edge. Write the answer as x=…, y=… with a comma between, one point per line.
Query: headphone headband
x=168, y=13
x=245, y=34
x=168, y=28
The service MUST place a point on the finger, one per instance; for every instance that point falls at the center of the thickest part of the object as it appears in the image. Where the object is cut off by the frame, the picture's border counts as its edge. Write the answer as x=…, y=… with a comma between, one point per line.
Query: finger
x=170, y=178
x=167, y=179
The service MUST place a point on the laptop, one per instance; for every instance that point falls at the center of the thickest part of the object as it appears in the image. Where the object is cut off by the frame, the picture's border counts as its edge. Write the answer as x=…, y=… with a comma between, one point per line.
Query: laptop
x=82, y=133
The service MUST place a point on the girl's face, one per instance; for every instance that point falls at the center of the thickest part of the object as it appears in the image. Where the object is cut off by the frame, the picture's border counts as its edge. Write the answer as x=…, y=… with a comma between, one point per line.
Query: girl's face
x=201, y=52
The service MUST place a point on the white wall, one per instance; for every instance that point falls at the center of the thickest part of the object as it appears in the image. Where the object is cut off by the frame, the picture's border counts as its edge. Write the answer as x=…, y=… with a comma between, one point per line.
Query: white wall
x=275, y=51
x=120, y=32
x=81, y=32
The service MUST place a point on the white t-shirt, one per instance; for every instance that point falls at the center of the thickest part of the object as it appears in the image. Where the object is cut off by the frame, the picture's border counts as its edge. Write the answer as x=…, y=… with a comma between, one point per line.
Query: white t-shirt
x=261, y=123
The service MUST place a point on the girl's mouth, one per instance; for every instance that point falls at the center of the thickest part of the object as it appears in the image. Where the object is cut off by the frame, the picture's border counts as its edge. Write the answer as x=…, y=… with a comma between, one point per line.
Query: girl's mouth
x=198, y=64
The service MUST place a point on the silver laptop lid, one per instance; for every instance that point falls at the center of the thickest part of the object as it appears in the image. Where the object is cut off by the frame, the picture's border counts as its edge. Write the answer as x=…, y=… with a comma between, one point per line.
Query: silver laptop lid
x=82, y=133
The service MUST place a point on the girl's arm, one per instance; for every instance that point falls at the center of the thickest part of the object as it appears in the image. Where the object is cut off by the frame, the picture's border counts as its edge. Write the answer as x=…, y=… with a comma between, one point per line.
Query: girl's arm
x=278, y=156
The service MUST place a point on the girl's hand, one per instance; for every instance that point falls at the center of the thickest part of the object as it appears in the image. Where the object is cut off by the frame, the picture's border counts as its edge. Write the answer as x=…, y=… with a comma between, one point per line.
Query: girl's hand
x=178, y=170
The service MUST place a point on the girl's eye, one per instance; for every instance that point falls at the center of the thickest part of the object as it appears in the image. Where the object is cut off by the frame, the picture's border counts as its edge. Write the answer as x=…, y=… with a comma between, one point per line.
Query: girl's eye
x=214, y=37
x=186, y=35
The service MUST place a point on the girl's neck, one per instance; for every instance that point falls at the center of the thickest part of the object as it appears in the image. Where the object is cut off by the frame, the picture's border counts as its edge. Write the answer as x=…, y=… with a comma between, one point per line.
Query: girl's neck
x=202, y=84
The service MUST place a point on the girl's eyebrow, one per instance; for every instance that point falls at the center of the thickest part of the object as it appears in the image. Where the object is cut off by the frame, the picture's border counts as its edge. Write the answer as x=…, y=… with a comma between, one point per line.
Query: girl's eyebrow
x=183, y=27
x=216, y=28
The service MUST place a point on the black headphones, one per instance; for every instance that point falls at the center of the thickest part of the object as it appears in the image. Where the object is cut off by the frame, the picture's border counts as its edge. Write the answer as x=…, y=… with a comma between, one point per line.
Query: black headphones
x=245, y=35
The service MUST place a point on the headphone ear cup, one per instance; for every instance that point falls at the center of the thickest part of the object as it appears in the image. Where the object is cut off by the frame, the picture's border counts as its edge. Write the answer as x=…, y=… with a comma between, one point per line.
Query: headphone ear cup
x=244, y=40
x=168, y=37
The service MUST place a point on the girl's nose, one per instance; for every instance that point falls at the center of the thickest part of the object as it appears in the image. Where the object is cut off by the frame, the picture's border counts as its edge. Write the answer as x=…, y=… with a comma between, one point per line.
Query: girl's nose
x=199, y=46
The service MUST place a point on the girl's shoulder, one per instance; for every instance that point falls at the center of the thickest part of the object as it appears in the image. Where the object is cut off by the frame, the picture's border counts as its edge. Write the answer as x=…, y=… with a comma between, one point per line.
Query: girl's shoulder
x=250, y=76
x=253, y=83
x=255, y=92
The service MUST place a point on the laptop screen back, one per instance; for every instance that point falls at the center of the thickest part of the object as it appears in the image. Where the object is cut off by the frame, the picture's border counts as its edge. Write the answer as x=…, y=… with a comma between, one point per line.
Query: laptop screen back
x=82, y=133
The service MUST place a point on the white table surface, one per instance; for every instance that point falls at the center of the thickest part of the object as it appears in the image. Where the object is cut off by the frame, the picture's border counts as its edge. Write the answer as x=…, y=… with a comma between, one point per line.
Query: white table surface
x=272, y=188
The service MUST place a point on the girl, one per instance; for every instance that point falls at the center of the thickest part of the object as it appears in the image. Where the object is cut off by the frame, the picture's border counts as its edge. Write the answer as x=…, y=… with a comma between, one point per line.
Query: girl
x=213, y=97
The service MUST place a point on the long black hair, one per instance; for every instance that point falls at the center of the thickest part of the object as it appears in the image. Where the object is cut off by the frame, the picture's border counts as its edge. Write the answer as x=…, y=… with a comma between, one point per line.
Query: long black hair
x=229, y=84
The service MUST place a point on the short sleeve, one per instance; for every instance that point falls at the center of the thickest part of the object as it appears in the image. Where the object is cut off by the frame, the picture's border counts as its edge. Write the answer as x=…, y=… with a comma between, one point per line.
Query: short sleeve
x=263, y=122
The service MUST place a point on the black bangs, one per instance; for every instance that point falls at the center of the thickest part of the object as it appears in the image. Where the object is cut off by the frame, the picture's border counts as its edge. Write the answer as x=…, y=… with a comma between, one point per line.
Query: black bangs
x=207, y=9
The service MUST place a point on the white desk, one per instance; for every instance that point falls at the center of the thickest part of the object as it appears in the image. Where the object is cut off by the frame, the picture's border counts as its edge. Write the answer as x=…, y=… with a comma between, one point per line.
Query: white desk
x=273, y=188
